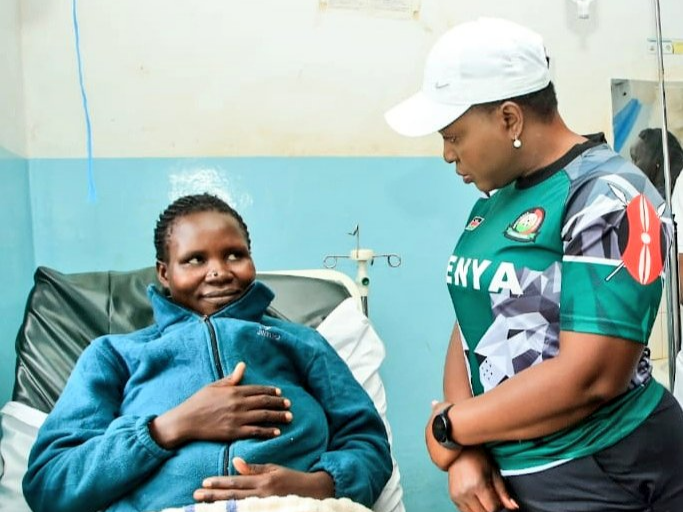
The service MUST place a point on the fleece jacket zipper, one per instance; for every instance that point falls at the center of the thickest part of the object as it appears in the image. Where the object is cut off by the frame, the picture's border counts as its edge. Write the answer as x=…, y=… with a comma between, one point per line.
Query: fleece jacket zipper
x=219, y=371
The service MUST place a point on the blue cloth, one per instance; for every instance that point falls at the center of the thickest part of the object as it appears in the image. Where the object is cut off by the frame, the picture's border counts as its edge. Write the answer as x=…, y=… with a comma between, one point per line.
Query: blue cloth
x=95, y=451
x=623, y=122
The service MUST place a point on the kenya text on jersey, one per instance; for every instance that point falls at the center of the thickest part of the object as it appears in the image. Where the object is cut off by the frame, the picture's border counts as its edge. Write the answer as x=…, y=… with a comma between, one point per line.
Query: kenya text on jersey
x=468, y=273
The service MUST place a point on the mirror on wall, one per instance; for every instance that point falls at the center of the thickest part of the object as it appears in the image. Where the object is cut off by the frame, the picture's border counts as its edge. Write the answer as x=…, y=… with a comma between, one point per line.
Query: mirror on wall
x=636, y=106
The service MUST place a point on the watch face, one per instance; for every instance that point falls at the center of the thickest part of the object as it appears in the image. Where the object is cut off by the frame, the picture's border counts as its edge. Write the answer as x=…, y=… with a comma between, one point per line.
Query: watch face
x=440, y=428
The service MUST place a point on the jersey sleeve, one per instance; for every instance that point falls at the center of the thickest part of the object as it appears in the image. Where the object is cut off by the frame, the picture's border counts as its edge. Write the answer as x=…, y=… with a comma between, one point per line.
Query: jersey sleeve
x=616, y=235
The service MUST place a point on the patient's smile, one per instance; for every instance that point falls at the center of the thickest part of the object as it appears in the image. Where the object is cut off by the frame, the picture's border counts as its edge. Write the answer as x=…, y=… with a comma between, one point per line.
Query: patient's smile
x=209, y=264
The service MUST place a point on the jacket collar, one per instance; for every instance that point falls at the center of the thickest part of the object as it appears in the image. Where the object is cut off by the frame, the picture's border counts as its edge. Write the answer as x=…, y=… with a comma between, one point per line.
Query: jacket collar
x=250, y=306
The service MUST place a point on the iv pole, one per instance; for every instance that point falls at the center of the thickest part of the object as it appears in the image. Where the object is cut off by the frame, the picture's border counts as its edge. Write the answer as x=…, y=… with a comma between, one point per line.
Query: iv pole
x=362, y=257
x=672, y=297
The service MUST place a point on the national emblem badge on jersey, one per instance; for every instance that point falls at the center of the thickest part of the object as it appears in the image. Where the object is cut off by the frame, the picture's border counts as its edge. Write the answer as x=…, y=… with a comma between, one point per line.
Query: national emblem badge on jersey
x=527, y=226
x=474, y=223
x=642, y=240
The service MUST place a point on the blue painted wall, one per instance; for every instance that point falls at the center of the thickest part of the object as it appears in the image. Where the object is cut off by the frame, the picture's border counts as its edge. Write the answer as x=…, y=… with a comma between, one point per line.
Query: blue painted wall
x=16, y=260
x=298, y=211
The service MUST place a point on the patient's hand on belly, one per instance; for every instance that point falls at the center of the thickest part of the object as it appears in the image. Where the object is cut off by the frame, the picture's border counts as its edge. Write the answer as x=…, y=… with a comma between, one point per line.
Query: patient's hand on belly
x=223, y=411
x=263, y=480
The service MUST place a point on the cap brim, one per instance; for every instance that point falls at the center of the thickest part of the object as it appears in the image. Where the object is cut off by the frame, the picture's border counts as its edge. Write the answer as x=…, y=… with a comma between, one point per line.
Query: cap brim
x=420, y=115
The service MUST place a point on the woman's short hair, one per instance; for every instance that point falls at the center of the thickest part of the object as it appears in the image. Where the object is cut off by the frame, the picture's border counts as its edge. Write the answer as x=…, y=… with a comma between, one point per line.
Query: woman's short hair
x=542, y=103
x=187, y=205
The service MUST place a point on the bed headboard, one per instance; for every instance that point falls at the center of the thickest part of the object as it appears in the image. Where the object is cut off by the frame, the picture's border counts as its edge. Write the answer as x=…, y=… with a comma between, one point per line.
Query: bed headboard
x=64, y=312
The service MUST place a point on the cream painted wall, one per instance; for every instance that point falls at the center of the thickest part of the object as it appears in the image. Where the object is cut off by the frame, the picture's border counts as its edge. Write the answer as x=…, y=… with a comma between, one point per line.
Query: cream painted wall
x=267, y=77
x=12, y=126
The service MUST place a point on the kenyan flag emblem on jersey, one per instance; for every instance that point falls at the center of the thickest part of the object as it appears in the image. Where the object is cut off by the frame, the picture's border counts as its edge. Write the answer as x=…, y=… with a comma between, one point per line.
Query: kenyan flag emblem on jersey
x=527, y=226
x=474, y=223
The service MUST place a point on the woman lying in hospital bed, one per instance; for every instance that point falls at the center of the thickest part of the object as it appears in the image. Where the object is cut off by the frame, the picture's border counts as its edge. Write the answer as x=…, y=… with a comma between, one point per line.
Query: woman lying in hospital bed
x=215, y=401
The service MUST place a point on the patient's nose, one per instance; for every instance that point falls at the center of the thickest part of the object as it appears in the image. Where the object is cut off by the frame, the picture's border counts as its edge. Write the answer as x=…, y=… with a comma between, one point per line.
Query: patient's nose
x=218, y=273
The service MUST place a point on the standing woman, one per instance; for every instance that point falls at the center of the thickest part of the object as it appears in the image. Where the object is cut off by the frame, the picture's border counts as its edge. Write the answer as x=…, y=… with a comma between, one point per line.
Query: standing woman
x=555, y=281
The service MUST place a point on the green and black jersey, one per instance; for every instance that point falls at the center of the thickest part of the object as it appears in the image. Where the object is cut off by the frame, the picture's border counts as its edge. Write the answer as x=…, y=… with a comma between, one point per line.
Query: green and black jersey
x=578, y=246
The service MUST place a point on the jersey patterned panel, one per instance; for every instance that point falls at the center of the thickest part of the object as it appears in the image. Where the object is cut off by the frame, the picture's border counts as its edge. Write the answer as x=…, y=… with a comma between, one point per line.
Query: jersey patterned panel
x=588, y=233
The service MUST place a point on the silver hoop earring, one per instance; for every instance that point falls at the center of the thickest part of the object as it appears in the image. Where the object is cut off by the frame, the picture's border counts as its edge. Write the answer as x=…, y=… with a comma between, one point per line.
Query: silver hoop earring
x=516, y=143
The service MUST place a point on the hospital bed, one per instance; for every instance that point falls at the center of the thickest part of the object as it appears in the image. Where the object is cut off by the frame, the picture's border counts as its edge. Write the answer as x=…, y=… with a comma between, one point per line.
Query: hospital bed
x=64, y=312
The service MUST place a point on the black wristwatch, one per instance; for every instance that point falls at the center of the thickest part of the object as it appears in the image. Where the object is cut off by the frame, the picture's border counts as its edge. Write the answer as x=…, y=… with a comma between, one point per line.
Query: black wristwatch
x=441, y=430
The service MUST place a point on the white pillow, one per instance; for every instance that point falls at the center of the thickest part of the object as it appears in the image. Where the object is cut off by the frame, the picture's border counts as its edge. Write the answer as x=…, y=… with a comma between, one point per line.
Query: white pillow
x=20, y=424
x=349, y=331
x=346, y=329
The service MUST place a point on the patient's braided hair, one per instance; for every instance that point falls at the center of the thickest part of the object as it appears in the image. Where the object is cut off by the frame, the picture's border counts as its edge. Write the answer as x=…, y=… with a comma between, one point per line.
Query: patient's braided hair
x=187, y=205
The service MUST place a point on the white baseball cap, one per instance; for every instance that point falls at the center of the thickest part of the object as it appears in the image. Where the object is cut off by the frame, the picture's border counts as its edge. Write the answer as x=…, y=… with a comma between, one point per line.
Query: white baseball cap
x=475, y=62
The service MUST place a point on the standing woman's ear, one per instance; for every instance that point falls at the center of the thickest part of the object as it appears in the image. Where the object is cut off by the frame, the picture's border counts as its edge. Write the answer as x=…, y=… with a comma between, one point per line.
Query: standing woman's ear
x=513, y=119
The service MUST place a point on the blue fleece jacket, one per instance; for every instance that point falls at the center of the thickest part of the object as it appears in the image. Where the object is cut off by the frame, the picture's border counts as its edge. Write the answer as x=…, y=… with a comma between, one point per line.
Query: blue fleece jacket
x=95, y=452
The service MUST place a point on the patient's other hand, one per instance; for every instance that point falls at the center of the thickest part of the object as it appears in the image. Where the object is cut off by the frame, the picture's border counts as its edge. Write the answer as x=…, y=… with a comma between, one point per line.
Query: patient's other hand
x=263, y=480
x=223, y=411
